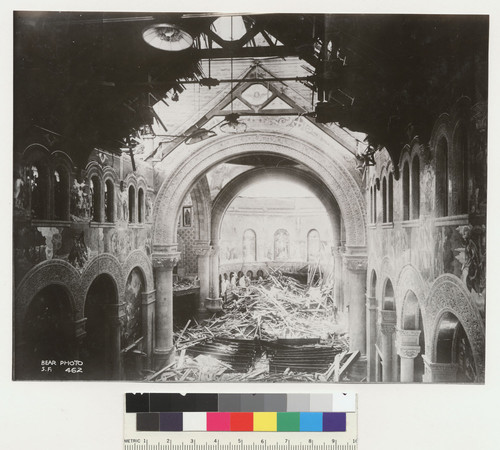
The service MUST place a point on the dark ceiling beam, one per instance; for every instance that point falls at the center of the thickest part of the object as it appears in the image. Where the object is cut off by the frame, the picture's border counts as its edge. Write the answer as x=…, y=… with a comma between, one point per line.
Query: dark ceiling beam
x=244, y=52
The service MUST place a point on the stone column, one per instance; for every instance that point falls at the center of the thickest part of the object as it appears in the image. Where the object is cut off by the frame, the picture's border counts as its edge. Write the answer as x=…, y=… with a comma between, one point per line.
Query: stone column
x=163, y=264
x=114, y=315
x=148, y=323
x=203, y=250
x=408, y=350
x=387, y=329
x=337, y=287
x=214, y=273
x=439, y=372
x=371, y=333
x=356, y=288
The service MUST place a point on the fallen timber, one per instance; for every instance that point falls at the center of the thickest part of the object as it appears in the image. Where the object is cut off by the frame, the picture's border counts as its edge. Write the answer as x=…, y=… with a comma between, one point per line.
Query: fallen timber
x=277, y=330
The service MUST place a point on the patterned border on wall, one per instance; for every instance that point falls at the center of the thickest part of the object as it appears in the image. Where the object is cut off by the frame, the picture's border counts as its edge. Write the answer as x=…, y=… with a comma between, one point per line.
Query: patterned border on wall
x=47, y=273
x=336, y=176
x=139, y=259
x=62, y=273
x=448, y=294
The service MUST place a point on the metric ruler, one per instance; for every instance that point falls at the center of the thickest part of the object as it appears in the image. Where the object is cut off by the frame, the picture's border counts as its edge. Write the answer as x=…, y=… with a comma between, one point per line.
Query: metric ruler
x=244, y=441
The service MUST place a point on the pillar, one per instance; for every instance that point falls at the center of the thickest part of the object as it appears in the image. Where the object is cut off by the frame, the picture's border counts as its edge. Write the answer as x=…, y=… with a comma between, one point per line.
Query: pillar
x=163, y=264
x=439, y=372
x=114, y=315
x=355, y=275
x=387, y=321
x=337, y=287
x=408, y=350
x=371, y=333
x=148, y=324
x=214, y=273
x=203, y=250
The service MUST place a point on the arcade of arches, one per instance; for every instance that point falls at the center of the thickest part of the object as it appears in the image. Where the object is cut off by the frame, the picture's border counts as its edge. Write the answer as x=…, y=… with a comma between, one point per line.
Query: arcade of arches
x=99, y=247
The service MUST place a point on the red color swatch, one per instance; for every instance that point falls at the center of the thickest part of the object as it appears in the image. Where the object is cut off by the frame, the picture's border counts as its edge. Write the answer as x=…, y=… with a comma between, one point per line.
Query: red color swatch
x=218, y=421
x=242, y=421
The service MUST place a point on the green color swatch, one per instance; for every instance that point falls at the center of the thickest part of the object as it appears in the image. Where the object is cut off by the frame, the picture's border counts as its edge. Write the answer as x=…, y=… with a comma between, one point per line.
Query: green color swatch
x=288, y=421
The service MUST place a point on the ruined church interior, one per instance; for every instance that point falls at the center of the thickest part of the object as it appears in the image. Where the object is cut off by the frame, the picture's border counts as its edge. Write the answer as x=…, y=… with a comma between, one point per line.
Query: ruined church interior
x=258, y=197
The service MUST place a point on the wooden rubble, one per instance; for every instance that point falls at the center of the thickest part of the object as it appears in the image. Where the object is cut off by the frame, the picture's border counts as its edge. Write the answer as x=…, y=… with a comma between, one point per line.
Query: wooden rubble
x=275, y=311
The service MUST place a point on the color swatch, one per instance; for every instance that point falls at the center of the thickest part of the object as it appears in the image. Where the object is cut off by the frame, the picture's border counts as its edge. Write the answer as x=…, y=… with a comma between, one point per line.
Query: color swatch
x=241, y=412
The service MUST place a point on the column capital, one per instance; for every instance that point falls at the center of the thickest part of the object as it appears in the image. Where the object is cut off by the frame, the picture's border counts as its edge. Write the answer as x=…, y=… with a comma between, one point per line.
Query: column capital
x=407, y=343
x=371, y=303
x=387, y=319
x=166, y=260
x=168, y=248
x=408, y=337
x=387, y=316
x=409, y=351
x=202, y=248
x=356, y=263
x=388, y=329
x=439, y=372
x=355, y=258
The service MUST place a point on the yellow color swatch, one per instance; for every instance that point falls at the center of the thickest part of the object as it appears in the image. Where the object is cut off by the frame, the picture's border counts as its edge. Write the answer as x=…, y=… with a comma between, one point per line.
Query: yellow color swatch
x=264, y=421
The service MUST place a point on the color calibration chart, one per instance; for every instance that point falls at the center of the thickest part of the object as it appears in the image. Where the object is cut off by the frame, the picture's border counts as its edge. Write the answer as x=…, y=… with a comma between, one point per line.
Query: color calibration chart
x=162, y=421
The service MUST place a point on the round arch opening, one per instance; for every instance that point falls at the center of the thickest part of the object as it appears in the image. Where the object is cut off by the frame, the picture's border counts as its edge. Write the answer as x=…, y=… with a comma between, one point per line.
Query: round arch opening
x=48, y=335
x=412, y=320
x=99, y=351
x=453, y=347
x=267, y=218
x=338, y=177
x=388, y=302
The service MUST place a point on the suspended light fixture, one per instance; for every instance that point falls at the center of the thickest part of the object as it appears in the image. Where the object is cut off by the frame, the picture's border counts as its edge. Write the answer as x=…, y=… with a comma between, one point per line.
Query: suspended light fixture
x=167, y=37
x=201, y=134
x=232, y=125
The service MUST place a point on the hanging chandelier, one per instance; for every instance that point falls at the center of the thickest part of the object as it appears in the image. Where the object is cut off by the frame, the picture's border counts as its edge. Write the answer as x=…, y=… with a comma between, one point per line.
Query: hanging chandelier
x=167, y=37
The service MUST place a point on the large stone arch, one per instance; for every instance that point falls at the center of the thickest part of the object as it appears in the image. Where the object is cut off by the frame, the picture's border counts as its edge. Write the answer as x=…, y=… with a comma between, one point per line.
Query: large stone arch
x=202, y=202
x=448, y=294
x=139, y=259
x=386, y=272
x=410, y=280
x=236, y=185
x=52, y=272
x=104, y=263
x=184, y=172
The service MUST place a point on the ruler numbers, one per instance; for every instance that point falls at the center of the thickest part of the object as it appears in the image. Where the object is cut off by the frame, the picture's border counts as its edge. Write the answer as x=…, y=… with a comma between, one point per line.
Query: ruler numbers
x=239, y=444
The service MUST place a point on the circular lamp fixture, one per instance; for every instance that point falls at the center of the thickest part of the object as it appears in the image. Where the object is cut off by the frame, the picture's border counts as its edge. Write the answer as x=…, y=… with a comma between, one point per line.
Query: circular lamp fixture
x=167, y=37
x=232, y=125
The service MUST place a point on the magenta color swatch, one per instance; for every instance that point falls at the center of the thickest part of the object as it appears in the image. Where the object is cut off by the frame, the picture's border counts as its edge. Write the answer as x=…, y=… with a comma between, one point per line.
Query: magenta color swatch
x=218, y=421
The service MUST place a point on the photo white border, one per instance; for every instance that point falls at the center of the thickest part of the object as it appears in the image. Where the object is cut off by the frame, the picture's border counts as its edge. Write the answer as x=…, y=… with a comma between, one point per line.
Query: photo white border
x=76, y=415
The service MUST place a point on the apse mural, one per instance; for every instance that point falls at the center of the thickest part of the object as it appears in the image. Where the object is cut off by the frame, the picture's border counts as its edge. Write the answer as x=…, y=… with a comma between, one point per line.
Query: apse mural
x=249, y=245
x=313, y=245
x=281, y=245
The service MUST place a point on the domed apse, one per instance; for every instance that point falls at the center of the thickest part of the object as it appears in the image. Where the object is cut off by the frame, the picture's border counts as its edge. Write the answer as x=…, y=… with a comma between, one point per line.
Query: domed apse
x=275, y=224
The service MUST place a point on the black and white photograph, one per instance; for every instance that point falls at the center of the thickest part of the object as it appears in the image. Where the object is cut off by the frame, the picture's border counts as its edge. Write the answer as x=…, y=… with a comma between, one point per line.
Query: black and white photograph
x=262, y=197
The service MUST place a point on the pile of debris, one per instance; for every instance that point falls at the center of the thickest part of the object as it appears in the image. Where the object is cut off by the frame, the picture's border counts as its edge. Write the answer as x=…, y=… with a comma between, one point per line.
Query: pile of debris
x=277, y=330
x=182, y=284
